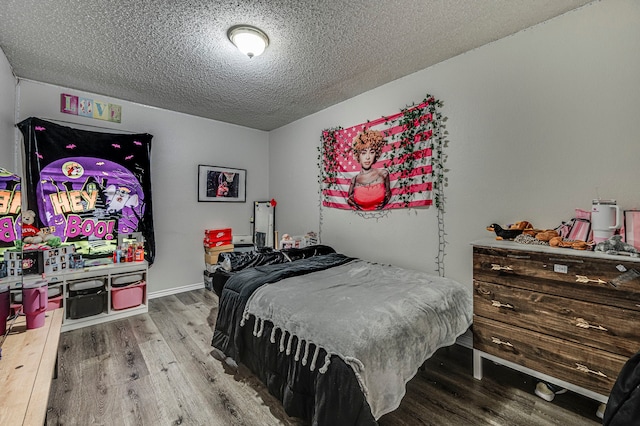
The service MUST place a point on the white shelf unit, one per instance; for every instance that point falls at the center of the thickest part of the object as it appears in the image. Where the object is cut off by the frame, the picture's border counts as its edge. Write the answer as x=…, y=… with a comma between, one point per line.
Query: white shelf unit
x=106, y=273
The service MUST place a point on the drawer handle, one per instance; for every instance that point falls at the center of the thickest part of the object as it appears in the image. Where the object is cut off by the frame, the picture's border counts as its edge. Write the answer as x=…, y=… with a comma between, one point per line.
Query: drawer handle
x=585, y=279
x=586, y=369
x=499, y=304
x=581, y=322
x=500, y=342
x=514, y=256
x=496, y=267
x=565, y=260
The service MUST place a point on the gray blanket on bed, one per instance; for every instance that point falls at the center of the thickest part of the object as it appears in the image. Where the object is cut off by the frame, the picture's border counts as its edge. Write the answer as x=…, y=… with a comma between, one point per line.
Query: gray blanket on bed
x=383, y=321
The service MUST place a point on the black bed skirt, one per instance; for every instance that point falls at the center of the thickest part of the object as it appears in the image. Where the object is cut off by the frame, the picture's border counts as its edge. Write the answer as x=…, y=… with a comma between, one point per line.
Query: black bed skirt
x=333, y=398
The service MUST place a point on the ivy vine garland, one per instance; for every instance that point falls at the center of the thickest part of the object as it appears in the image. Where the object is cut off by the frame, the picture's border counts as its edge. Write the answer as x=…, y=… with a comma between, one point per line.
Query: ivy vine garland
x=422, y=126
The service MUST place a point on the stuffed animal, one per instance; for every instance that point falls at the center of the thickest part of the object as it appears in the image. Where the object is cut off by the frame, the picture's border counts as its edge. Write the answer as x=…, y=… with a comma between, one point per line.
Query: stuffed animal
x=502, y=233
x=32, y=235
x=574, y=244
x=524, y=225
x=615, y=245
x=546, y=235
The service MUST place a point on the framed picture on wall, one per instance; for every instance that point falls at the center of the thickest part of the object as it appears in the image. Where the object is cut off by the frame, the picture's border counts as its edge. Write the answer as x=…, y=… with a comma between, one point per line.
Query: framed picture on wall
x=221, y=184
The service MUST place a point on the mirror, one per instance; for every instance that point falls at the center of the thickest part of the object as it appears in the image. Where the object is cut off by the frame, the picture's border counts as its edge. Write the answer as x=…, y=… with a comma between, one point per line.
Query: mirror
x=263, y=229
x=10, y=228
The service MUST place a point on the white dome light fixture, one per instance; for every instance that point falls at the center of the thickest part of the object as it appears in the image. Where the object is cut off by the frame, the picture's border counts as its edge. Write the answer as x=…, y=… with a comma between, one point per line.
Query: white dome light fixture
x=249, y=40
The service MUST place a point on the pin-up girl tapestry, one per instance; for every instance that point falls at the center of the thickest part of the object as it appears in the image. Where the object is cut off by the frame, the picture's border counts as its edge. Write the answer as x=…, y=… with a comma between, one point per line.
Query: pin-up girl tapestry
x=88, y=187
x=389, y=163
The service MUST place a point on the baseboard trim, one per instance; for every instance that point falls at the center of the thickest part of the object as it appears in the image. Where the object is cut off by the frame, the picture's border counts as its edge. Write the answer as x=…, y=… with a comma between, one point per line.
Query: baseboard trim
x=175, y=290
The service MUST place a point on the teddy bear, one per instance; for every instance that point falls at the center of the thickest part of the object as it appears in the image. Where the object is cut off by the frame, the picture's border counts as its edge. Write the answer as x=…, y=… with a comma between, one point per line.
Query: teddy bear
x=32, y=235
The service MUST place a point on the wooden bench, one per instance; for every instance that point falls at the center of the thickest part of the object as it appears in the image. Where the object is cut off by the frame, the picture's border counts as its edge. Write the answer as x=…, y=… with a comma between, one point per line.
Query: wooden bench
x=26, y=369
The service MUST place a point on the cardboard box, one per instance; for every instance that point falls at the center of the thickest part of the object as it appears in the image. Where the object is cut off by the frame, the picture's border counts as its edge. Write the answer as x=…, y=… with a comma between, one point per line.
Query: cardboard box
x=211, y=254
x=218, y=234
x=217, y=237
x=216, y=244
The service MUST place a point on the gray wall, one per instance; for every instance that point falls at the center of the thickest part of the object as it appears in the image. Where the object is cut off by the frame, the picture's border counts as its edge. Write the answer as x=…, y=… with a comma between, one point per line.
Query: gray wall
x=7, y=129
x=180, y=142
x=539, y=124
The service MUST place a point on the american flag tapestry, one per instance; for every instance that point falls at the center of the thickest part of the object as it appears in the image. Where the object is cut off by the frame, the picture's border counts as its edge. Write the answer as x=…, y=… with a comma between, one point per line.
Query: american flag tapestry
x=389, y=163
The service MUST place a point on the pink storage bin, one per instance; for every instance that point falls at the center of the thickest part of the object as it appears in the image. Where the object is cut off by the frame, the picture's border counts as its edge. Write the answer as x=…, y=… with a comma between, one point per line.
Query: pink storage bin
x=54, y=295
x=54, y=303
x=129, y=296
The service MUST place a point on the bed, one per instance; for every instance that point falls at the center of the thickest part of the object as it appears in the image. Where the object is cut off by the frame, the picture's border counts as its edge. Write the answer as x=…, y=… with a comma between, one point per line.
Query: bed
x=337, y=338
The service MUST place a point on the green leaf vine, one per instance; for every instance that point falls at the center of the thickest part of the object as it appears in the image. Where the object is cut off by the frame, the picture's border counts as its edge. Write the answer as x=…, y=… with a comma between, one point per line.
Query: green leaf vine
x=328, y=159
x=423, y=128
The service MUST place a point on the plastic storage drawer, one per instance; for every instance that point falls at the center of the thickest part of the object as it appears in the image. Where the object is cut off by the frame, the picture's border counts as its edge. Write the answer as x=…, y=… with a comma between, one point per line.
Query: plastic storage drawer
x=129, y=296
x=86, y=298
x=54, y=295
x=86, y=305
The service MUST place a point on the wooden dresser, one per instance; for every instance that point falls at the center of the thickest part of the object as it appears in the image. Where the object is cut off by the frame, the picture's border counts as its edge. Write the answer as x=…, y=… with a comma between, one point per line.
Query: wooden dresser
x=565, y=316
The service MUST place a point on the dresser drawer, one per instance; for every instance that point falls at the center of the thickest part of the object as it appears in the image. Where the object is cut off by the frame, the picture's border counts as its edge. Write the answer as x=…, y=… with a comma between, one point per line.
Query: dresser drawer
x=600, y=281
x=599, y=326
x=591, y=369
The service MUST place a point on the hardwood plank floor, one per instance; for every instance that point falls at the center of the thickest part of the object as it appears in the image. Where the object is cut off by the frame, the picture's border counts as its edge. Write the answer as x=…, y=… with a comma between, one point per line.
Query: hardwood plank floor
x=156, y=369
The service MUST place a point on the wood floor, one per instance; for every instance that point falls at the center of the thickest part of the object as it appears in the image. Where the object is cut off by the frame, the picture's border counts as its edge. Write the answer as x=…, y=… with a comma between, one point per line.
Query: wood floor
x=156, y=369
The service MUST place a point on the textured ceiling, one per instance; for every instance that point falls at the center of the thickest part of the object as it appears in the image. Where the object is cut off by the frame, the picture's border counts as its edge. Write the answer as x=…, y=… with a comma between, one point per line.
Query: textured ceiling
x=175, y=54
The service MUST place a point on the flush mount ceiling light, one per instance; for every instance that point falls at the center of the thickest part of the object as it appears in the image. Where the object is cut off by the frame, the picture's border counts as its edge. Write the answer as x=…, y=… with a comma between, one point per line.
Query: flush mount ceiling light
x=249, y=40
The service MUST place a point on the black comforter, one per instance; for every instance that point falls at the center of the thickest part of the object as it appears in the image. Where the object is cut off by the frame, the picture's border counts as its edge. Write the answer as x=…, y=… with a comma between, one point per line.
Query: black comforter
x=623, y=407
x=332, y=398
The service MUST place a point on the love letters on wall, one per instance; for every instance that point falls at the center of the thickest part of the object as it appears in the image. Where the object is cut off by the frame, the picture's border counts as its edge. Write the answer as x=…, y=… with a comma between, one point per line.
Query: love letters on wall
x=88, y=187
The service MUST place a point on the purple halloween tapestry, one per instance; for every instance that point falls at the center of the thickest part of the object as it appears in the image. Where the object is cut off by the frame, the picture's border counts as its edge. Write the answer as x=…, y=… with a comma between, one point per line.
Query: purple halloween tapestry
x=10, y=203
x=88, y=187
